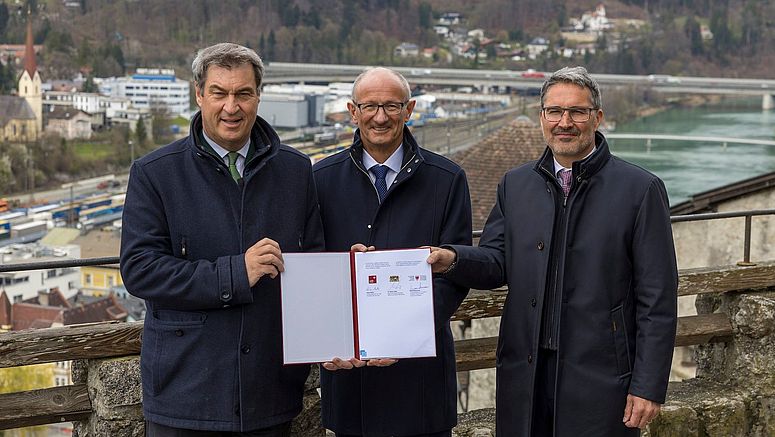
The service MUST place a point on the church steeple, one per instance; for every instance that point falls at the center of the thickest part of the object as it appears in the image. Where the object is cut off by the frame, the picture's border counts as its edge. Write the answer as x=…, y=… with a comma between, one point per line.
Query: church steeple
x=30, y=65
x=29, y=86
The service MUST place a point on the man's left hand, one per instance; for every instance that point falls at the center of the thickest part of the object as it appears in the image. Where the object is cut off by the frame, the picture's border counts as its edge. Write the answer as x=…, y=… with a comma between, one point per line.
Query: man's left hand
x=639, y=412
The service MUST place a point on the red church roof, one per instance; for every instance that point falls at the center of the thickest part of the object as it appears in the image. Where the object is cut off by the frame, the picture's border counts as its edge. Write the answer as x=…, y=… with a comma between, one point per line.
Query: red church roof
x=30, y=66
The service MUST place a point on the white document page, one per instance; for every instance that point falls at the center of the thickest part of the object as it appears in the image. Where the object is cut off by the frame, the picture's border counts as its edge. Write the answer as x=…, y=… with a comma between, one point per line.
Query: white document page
x=395, y=304
x=316, y=307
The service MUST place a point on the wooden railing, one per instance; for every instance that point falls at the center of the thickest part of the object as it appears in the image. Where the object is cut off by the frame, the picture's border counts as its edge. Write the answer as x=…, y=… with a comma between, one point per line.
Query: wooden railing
x=105, y=340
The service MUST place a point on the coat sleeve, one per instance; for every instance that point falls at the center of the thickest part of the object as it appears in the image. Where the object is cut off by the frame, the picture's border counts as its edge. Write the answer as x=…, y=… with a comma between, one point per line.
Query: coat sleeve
x=152, y=272
x=655, y=280
x=456, y=229
x=483, y=267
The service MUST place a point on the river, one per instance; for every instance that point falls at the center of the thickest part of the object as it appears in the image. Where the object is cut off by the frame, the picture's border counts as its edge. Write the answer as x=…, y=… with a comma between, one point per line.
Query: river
x=689, y=168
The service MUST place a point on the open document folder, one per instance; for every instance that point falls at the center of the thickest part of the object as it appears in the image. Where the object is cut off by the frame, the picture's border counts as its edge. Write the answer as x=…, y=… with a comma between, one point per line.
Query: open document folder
x=365, y=305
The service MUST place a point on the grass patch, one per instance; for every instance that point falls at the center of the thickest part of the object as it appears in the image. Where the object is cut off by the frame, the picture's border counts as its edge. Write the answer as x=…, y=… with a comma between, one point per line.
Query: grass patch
x=93, y=151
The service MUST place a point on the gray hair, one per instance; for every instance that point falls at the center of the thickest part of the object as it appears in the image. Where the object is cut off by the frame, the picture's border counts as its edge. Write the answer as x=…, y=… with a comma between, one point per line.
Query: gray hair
x=577, y=76
x=226, y=55
x=401, y=79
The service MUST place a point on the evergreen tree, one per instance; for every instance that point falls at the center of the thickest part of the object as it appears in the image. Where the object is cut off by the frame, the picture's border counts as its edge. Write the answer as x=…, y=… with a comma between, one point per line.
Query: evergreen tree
x=141, y=133
x=4, y=16
x=692, y=30
x=425, y=14
x=88, y=85
x=272, y=45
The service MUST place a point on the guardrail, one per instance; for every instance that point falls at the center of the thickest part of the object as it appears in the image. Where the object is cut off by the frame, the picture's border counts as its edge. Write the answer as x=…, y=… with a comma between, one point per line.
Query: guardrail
x=106, y=340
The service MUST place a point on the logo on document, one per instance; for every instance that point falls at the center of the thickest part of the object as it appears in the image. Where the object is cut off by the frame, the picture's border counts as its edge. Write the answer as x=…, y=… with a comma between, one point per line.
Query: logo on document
x=372, y=279
x=363, y=353
x=394, y=278
x=417, y=278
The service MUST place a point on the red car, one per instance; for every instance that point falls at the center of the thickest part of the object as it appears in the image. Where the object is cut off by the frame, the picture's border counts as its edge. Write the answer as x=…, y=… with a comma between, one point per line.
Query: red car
x=532, y=74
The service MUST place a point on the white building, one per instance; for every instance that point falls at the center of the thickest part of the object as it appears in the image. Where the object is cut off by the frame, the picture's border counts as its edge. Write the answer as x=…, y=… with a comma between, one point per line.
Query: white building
x=151, y=88
x=26, y=284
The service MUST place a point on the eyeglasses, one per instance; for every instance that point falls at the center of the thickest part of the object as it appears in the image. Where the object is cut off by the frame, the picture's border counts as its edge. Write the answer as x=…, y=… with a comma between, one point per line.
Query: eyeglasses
x=578, y=115
x=391, y=108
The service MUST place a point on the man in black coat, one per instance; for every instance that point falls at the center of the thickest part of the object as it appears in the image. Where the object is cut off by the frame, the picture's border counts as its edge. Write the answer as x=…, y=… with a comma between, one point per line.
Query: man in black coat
x=583, y=240
x=386, y=192
x=204, y=224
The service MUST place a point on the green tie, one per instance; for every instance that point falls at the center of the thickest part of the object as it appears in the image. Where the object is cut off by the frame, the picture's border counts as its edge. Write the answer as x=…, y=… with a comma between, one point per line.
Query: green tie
x=233, y=166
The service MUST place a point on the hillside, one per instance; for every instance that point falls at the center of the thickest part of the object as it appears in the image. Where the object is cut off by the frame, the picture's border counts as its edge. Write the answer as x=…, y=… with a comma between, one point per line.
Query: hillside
x=109, y=37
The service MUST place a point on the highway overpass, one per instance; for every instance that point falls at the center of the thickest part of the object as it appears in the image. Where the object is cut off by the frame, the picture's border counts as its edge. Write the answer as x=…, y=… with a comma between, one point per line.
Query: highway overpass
x=285, y=72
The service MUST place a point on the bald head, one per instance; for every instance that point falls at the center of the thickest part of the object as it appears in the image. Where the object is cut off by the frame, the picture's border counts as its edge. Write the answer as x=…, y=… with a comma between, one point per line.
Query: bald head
x=381, y=76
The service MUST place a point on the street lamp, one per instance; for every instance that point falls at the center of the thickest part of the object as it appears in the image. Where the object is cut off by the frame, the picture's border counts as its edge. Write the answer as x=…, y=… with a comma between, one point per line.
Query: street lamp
x=131, y=152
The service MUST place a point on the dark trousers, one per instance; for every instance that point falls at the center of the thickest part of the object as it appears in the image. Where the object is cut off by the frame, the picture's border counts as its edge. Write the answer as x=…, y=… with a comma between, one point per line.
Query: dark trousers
x=447, y=433
x=156, y=430
x=543, y=394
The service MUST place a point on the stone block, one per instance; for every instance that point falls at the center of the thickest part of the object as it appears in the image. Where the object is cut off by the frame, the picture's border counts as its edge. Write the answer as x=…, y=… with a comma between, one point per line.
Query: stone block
x=115, y=389
x=675, y=420
x=307, y=423
x=764, y=417
x=476, y=423
x=755, y=315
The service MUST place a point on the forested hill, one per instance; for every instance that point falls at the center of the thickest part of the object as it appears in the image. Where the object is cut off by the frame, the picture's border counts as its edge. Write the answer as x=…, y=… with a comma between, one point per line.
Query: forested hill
x=111, y=37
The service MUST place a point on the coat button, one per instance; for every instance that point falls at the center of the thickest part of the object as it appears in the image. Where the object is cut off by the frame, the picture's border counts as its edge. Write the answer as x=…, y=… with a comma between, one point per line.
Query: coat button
x=179, y=332
x=368, y=226
x=530, y=358
x=245, y=349
x=578, y=179
x=533, y=302
x=225, y=295
x=540, y=245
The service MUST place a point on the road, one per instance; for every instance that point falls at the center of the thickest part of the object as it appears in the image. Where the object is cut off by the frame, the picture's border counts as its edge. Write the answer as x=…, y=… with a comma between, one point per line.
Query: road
x=452, y=135
x=79, y=188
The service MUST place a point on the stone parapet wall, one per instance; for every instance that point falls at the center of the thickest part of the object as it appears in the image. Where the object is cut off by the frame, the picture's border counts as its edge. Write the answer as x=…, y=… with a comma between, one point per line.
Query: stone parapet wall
x=733, y=394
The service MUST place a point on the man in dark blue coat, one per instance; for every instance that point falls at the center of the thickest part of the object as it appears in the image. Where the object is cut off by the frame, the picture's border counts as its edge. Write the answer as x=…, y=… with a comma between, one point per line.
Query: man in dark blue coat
x=583, y=240
x=205, y=221
x=386, y=192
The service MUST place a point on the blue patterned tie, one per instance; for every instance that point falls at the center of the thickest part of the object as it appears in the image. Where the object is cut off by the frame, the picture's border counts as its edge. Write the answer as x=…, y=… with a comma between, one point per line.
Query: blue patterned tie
x=380, y=171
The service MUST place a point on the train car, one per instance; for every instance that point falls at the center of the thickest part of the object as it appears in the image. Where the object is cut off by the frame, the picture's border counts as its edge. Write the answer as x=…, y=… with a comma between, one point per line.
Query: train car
x=66, y=212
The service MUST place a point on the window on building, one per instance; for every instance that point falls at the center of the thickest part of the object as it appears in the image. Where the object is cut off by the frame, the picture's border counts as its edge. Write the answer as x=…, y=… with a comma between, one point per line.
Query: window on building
x=111, y=281
x=51, y=273
x=87, y=278
x=18, y=298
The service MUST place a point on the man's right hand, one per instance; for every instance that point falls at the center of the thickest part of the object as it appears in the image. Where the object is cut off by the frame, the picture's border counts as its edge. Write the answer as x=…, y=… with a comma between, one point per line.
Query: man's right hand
x=263, y=258
x=440, y=259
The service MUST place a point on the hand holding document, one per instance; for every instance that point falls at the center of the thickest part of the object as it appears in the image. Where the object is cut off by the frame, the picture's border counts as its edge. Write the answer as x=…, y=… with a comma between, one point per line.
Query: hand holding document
x=364, y=305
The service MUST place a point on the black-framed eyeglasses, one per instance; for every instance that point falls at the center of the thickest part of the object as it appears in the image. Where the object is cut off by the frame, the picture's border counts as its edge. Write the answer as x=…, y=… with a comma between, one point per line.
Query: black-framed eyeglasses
x=577, y=114
x=391, y=108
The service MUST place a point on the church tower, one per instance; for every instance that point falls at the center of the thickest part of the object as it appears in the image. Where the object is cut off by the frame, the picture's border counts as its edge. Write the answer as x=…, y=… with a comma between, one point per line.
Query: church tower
x=29, y=81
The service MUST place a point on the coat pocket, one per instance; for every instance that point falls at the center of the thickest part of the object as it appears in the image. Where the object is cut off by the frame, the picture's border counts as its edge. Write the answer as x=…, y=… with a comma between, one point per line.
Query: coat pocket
x=621, y=345
x=178, y=336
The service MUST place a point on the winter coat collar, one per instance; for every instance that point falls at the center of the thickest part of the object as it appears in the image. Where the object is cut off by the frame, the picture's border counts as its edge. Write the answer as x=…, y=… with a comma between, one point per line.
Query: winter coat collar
x=411, y=149
x=583, y=169
x=265, y=143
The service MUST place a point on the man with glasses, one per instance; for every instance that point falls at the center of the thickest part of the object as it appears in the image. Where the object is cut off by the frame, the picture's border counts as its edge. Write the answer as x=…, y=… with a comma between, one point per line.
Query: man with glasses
x=387, y=192
x=583, y=240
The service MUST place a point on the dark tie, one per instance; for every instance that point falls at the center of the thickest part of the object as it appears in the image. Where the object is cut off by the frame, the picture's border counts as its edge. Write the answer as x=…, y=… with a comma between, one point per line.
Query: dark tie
x=233, y=166
x=380, y=171
x=565, y=178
